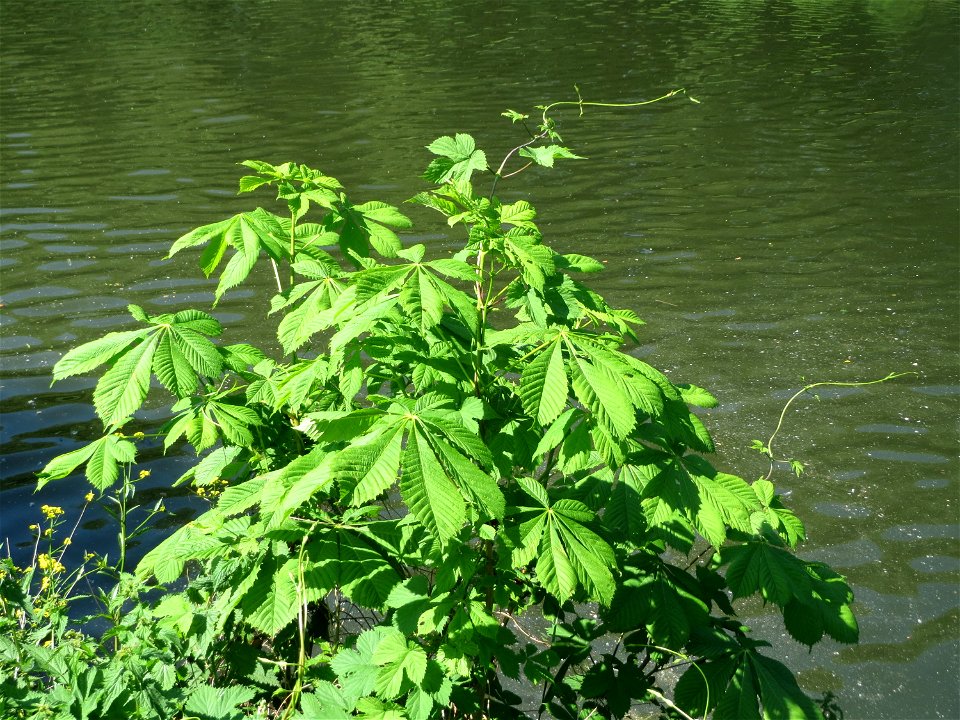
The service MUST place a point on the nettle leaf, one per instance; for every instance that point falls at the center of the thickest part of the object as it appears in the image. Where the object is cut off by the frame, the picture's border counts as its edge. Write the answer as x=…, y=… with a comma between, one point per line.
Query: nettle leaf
x=459, y=158
x=213, y=703
x=546, y=154
x=402, y=663
x=273, y=601
x=355, y=668
x=326, y=701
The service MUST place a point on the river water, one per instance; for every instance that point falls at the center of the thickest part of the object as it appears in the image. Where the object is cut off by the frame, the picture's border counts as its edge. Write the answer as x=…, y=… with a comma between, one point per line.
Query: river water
x=798, y=225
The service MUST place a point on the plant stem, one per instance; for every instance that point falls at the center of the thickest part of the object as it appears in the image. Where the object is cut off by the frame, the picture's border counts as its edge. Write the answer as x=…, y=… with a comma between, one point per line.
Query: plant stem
x=807, y=388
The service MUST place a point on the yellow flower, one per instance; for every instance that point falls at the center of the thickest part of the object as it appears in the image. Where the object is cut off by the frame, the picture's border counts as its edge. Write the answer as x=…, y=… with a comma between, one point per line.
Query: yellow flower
x=45, y=583
x=34, y=527
x=51, y=511
x=144, y=474
x=67, y=541
x=49, y=565
x=89, y=496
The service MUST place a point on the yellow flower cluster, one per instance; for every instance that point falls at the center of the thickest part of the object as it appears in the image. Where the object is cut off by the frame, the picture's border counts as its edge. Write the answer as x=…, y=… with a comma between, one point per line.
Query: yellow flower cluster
x=49, y=564
x=213, y=489
x=144, y=474
x=88, y=497
x=51, y=511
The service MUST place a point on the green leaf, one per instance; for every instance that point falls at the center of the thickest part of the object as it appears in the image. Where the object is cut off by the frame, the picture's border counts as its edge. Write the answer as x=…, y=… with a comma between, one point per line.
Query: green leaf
x=520, y=214
x=543, y=385
x=102, y=457
x=739, y=700
x=554, y=567
x=245, y=241
x=477, y=484
x=272, y=601
x=398, y=660
x=545, y=155
x=775, y=573
x=780, y=695
x=249, y=183
x=579, y=263
x=211, y=703
x=95, y=353
x=591, y=556
x=326, y=702
x=383, y=213
x=431, y=495
x=533, y=260
x=199, y=352
x=123, y=388
x=693, y=395
x=355, y=667
x=459, y=158
x=372, y=467
x=200, y=235
x=172, y=368
x=197, y=321
x=597, y=388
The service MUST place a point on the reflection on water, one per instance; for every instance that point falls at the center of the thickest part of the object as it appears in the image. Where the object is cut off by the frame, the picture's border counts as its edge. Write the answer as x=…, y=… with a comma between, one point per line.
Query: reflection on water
x=799, y=225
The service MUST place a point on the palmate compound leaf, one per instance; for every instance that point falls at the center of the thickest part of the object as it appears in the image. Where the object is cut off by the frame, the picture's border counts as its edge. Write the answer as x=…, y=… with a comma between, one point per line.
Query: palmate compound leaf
x=355, y=563
x=459, y=158
x=248, y=233
x=532, y=259
x=569, y=553
x=103, y=458
x=174, y=348
x=759, y=567
x=364, y=226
